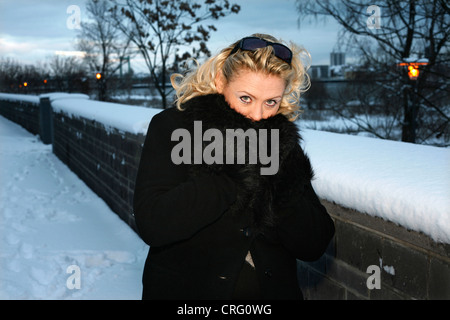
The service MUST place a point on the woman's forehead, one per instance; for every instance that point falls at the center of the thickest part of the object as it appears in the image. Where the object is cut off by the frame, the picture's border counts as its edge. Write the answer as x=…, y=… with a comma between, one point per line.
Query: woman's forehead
x=258, y=82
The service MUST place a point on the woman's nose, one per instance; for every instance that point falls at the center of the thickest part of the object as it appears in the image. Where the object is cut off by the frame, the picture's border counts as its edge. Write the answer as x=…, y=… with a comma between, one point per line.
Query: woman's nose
x=256, y=113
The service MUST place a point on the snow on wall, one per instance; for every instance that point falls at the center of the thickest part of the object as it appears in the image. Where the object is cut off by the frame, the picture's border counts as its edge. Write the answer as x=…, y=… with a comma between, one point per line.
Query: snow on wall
x=404, y=183
x=19, y=97
x=126, y=118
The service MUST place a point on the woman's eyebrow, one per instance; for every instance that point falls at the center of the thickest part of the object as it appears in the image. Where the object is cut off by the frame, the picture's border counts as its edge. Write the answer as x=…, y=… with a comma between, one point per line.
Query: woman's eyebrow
x=247, y=93
x=252, y=96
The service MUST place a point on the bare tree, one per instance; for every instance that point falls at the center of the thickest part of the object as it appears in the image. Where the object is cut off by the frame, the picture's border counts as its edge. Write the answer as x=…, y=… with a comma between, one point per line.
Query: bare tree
x=392, y=32
x=161, y=28
x=103, y=43
x=67, y=73
x=22, y=78
x=10, y=75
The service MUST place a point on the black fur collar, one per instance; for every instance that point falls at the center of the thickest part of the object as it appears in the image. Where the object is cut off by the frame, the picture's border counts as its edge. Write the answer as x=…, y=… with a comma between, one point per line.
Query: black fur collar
x=215, y=112
x=258, y=195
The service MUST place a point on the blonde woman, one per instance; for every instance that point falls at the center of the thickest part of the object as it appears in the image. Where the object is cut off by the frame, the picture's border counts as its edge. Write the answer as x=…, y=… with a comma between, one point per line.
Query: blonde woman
x=223, y=194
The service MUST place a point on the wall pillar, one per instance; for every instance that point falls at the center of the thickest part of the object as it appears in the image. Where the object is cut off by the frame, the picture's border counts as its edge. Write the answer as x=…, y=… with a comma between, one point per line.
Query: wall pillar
x=45, y=120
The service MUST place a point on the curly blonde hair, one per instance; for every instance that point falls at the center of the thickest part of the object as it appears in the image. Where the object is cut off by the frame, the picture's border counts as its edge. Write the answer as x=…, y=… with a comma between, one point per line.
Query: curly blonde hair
x=201, y=80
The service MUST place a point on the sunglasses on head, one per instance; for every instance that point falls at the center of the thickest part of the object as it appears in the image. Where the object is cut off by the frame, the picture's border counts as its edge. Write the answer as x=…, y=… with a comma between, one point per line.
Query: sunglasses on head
x=252, y=43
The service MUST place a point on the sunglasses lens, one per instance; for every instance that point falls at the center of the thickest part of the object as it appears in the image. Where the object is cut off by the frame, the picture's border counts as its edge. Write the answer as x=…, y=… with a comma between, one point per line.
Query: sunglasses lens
x=253, y=44
x=282, y=52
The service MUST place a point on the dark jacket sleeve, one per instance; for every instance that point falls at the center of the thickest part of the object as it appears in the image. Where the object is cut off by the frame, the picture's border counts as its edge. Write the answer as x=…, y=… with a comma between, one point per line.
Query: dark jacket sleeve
x=305, y=227
x=168, y=205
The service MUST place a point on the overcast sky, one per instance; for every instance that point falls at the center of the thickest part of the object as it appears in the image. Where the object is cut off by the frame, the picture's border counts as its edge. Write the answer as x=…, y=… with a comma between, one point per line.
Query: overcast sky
x=33, y=30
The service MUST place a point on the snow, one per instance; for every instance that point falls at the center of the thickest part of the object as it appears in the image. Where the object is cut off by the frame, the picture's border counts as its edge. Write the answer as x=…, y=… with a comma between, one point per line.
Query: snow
x=19, y=97
x=50, y=220
x=388, y=269
x=63, y=95
x=405, y=183
x=125, y=118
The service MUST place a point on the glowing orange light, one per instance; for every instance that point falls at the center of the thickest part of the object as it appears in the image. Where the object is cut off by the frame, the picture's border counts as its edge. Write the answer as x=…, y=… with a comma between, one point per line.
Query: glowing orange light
x=413, y=68
x=45, y=80
x=25, y=84
x=98, y=75
x=413, y=72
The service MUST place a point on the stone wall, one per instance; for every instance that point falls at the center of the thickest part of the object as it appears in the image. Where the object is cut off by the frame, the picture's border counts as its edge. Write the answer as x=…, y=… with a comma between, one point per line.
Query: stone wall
x=411, y=265
x=25, y=113
x=105, y=159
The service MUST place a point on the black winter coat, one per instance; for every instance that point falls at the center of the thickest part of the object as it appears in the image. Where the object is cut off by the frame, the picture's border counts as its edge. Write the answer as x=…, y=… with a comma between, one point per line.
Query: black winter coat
x=201, y=220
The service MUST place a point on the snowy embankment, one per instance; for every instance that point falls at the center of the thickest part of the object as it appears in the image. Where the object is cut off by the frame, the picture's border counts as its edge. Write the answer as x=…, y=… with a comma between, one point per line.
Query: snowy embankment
x=50, y=220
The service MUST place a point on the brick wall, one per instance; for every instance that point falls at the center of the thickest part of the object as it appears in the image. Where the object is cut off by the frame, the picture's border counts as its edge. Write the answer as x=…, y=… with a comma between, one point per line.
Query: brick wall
x=411, y=264
x=25, y=113
x=106, y=159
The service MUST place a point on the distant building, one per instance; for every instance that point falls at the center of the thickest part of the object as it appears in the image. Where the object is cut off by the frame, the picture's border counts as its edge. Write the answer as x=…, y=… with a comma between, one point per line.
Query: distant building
x=337, y=59
x=338, y=71
x=319, y=72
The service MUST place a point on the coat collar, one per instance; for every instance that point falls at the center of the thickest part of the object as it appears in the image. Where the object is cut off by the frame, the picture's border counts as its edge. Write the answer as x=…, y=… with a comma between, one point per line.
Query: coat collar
x=215, y=112
x=214, y=109
x=257, y=194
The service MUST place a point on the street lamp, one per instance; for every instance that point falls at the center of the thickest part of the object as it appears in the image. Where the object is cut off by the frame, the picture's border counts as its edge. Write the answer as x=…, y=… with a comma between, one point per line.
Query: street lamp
x=101, y=85
x=411, y=108
x=413, y=67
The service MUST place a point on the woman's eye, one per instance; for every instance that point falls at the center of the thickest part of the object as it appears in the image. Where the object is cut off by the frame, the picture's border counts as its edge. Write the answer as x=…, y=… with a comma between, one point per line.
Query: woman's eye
x=246, y=99
x=271, y=103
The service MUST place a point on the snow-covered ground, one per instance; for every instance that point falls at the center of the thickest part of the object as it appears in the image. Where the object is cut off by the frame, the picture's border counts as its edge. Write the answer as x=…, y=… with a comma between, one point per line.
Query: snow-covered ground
x=50, y=220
